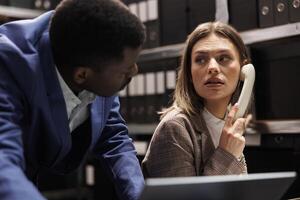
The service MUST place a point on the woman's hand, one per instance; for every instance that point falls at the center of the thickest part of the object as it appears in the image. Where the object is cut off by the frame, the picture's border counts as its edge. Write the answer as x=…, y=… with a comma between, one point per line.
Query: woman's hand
x=232, y=139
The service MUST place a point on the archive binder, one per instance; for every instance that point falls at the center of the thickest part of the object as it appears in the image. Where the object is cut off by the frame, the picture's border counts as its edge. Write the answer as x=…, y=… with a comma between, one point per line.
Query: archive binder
x=4, y=2
x=294, y=10
x=173, y=21
x=243, y=14
x=152, y=28
x=281, y=15
x=22, y=3
x=152, y=25
x=159, y=80
x=265, y=13
x=139, y=99
x=200, y=12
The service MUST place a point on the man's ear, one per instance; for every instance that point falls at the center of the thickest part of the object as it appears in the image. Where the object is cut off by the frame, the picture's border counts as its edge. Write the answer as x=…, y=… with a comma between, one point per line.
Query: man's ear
x=80, y=75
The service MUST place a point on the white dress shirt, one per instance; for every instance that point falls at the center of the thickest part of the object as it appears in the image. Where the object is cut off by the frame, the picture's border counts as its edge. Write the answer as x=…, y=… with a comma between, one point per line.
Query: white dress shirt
x=77, y=106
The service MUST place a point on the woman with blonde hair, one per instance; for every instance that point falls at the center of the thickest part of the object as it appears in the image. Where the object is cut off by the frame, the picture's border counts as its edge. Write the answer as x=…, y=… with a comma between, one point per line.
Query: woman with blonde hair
x=198, y=135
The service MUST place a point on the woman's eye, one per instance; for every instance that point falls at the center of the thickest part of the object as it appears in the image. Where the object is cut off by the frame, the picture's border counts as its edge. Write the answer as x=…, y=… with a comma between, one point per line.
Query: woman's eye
x=200, y=60
x=224, y=58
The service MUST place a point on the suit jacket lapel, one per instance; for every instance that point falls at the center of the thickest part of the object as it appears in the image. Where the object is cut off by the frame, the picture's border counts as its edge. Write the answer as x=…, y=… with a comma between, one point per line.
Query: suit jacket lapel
x=55, y=95
x=96, y=119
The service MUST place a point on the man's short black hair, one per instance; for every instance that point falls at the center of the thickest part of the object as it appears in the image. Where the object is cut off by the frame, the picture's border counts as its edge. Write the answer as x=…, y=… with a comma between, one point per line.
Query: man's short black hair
x=93, y=32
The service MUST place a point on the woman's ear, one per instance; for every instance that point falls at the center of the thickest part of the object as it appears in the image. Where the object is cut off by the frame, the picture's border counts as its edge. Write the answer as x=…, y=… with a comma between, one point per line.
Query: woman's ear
x=80, y=75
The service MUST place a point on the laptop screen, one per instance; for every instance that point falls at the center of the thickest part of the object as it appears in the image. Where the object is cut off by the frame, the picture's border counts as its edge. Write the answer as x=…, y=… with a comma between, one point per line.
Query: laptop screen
x=259, y=186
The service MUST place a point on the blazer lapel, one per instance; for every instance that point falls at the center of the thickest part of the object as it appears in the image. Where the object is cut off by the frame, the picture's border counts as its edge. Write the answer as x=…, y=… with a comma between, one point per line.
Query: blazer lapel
x=100, y=111
x=207, y=146
x=97, y=109
x=55, y=96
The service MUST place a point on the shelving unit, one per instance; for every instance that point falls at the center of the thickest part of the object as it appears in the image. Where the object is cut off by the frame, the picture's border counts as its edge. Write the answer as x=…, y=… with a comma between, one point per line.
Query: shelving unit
x=141, y=129
x=249, y=37
x=271, y=33
x=253, y=136
x=263, y=126
x=171, y=51
x=19, y=13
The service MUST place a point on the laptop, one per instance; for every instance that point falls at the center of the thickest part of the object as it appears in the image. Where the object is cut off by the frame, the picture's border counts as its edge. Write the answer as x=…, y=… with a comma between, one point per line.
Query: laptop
x=258, y=186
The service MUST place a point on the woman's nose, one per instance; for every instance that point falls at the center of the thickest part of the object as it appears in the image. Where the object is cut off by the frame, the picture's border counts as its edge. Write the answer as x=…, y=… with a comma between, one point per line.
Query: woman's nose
x=213, y=67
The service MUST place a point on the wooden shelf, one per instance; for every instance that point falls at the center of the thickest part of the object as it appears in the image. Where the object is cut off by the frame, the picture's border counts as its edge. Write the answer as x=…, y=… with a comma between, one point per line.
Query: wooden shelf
x=249, y=37
x=141, y=129
x=163, y=52
x=19, y=13
x=271, y=33
x=275, y=127
x=259, y=127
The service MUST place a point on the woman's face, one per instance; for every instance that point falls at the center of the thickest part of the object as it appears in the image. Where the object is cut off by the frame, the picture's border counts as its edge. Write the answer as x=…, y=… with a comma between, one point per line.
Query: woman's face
x=215, y=68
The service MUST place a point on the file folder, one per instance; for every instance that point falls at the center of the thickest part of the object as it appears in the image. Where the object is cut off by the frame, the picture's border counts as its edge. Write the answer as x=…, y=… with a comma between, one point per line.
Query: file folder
x=4, y=2
x=173, y=21
x=243, y=14
x=139, y=99
x=152, y=28
x=22, y=3
x=152, y=25
x=151, y=100
x=294, y=10
x=265, y=13
x=281, y=15
x=200, y=12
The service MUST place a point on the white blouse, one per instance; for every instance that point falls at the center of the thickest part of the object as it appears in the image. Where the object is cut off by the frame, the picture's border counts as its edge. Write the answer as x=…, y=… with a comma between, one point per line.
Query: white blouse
x=214, y=125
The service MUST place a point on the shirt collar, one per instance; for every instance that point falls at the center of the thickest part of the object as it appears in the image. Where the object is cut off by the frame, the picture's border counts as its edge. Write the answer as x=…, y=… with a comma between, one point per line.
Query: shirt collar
x=70, y=98
x=208, y=117
x=199, y=122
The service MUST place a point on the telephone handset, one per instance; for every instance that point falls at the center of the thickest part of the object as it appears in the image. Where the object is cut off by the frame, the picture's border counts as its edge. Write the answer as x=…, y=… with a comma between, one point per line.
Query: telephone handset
x=248, y=76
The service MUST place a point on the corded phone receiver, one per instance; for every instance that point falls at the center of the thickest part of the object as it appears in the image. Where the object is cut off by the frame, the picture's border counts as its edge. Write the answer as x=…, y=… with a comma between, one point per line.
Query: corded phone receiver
x=248, y=76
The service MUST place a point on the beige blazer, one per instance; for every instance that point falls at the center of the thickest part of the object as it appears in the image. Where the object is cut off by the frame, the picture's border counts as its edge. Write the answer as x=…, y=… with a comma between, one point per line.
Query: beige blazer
x=182, y=146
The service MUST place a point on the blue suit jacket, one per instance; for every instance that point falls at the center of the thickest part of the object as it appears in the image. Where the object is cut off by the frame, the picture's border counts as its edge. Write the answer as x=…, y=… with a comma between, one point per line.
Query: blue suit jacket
x=34, y=131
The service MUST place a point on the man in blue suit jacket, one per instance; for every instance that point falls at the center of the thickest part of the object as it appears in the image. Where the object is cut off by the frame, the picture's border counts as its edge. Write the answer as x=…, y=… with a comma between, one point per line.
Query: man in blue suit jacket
x=58, y=76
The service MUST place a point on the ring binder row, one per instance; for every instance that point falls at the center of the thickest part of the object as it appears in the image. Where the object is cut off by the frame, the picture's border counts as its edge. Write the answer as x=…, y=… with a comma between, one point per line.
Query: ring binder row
x=170, y=21
x=149, y=91
x=251, y=14
x=31, y=4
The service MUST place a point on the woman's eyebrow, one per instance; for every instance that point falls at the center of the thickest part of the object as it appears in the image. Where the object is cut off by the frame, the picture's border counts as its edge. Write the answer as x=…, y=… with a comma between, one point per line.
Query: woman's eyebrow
x=204, y=51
